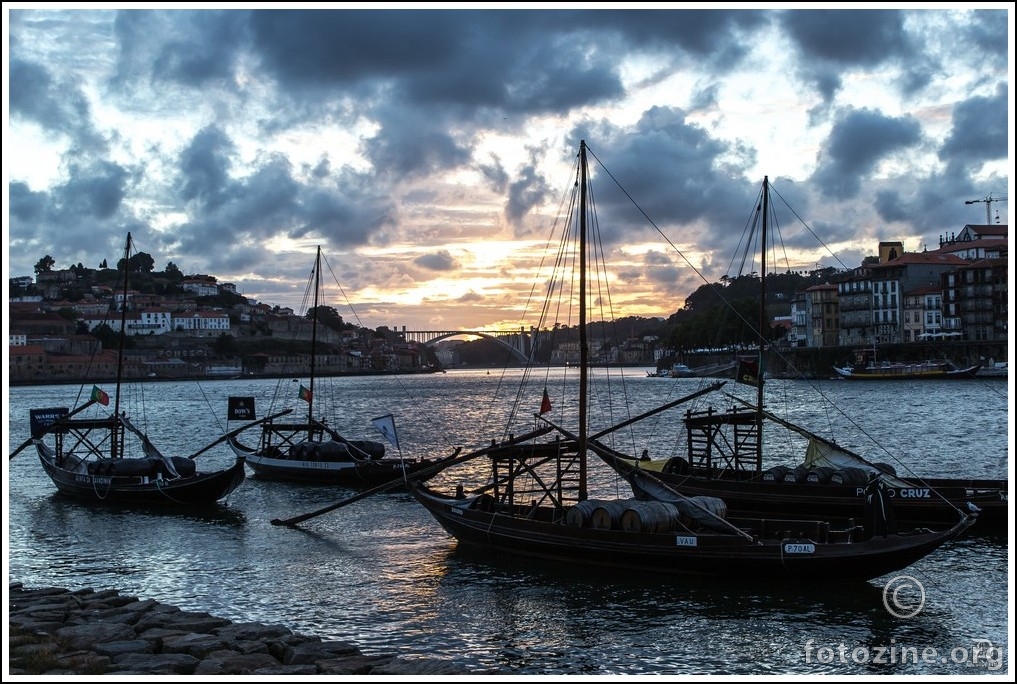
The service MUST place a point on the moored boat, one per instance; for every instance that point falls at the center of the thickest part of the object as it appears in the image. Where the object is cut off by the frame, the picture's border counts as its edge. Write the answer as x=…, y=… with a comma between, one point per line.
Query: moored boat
x=828, y=481
x=680, y=370
x=99, y=455
x=310, y=450
x=867, y=367
x=536, y=502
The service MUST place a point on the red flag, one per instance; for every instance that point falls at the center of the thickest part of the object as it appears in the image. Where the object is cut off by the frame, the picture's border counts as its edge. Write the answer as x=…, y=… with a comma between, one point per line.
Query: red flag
x=305, y=394
x=99, y=396
x=545, y=403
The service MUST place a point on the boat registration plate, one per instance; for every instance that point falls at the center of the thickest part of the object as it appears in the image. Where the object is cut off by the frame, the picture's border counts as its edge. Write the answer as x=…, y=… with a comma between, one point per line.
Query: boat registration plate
x=686, y=541
x=799, y=548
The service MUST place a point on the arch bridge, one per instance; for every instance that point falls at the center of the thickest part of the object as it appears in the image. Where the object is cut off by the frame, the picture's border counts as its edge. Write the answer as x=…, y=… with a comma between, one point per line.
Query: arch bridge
x=518, y=342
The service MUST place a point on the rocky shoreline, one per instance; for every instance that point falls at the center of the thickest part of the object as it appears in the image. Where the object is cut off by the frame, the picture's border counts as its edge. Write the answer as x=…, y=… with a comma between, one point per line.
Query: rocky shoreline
x=57, y=631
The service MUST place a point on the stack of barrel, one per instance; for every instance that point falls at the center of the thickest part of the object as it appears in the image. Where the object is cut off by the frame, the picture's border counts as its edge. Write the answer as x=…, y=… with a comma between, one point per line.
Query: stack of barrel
x=633, y=515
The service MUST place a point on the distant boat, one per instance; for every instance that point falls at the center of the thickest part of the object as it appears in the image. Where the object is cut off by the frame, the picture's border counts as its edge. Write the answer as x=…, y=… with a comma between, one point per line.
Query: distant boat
x=997, y=370
x=680, y=370
x=922, y=370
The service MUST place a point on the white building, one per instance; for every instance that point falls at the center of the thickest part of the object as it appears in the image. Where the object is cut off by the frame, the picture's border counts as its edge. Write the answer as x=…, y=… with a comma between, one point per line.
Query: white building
x=203, y=323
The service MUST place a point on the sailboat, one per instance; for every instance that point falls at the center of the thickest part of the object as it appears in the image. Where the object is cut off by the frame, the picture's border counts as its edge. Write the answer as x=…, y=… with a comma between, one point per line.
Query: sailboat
x=536, y=502
x=99, y=455
x=725, y=458
x=310, y=450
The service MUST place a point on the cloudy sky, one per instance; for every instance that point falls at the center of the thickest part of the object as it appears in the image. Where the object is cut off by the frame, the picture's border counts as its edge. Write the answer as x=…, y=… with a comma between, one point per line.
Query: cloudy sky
x=427, y=151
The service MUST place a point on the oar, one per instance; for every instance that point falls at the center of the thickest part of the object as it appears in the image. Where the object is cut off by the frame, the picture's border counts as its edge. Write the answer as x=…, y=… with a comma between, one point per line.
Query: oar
x=236, y=432
x=454, y=459
x=391, y=484
x=50, y=427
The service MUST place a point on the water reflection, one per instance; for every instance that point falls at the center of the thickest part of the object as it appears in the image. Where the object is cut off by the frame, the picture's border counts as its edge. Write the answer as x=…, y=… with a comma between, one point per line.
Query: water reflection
x=382, y=574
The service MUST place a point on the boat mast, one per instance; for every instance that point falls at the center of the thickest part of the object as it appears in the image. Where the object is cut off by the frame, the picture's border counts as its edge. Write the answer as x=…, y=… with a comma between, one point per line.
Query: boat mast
x=583, y=345
x=122, y=339
x=762, y=325
x=314, y=334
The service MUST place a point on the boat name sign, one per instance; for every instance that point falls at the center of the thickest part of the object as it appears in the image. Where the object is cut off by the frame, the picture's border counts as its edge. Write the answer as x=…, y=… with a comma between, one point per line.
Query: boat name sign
x=902, y=492
x=686, y=541
x=93, y=480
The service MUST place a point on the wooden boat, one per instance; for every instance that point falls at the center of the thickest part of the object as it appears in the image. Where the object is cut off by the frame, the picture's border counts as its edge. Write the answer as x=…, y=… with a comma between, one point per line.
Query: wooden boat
x=99, y=455
x=867, y=367
x=829, y=482
x=727, y=458
x=537, y=502
x=310, y=450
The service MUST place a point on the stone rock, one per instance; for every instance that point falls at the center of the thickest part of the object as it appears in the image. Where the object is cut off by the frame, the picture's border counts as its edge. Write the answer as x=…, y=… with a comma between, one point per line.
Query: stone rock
x=91, y=633
x=322, y=650
x=158, y=663
x=237, y=664
x=55, y=632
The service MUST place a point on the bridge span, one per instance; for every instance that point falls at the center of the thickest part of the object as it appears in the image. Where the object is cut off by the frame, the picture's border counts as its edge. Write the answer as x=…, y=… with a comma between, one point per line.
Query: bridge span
x=519, y=342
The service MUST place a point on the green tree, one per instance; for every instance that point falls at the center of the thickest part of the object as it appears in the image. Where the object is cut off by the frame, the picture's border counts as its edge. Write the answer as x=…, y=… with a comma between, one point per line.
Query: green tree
x=110, y=338
x=44, y=265
x=328, y=317
x=67, y=313
x=173, y=273
x=138, y=263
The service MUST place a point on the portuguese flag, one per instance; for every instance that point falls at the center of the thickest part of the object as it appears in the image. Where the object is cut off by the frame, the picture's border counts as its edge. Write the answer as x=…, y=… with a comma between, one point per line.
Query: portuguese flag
x=99, y=396
x=305, y=394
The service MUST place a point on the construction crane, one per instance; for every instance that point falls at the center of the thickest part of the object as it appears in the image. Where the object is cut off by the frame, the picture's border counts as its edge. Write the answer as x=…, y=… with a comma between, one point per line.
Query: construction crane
x=988, y=205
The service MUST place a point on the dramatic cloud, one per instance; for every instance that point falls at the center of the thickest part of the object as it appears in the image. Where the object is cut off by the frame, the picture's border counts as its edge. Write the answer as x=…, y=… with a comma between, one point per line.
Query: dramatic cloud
x=429, y=151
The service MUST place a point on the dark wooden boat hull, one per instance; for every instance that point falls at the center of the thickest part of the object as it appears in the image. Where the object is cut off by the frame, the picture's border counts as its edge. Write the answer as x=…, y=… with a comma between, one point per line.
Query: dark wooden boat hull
x=935, y=503
x=768, y=555
x=200, y=489
x=354, y=474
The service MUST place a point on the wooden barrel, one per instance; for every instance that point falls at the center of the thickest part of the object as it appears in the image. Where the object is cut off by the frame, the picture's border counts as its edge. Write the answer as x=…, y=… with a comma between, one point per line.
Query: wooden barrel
x=796, y=474
x=649, y=516
x=820, y=475
x=849, y=476
x=775, y=474
x=607, y=515
x=579, y=515
x=711, y=503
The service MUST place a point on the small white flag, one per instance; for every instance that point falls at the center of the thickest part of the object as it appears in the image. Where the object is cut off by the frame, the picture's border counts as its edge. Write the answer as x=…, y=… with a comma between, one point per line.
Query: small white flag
x=386, y=426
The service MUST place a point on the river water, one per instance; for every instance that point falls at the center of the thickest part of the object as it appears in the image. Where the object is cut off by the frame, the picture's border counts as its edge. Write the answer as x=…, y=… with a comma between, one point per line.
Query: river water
x=382, y=574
